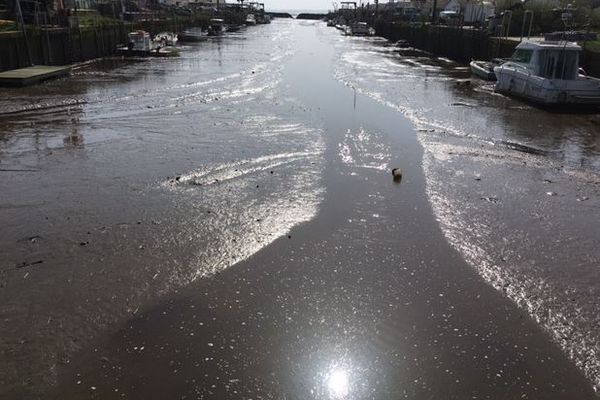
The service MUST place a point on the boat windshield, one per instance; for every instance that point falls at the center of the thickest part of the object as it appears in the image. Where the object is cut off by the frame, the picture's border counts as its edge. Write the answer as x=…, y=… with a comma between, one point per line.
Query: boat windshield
x=559, y=64
x=522, y=56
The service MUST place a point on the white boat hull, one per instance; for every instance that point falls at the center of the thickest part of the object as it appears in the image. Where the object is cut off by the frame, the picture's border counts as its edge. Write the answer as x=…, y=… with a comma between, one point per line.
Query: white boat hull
x=522, y=83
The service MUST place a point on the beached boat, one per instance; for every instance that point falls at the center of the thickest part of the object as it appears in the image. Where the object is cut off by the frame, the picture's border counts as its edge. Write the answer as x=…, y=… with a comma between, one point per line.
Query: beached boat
x=263, y=19
x=483, y=69
x=250, y=19
x=233, y=28
x=547, y=73
x=138, y=44
x=192, y=35
x=359, y=29
x=216, y=27
x=167, y=51
x=166, y=39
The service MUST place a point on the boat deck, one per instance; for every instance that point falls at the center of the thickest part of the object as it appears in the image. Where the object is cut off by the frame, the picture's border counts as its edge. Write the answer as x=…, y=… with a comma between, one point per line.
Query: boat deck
x=32, y=75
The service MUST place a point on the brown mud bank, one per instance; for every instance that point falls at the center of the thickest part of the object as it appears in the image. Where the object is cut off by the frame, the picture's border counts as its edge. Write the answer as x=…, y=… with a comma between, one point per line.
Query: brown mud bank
x=365, y=300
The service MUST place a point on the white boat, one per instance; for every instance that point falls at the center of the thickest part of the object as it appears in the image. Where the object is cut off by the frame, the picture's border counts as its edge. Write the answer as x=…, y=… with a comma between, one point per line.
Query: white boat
x=167, y=51
x=192, y=35
x=250, y=19
x=359, y=29
x=485, y=69
x=547, y=73
x=216, y=27
x=138, y=44
x=166, y=39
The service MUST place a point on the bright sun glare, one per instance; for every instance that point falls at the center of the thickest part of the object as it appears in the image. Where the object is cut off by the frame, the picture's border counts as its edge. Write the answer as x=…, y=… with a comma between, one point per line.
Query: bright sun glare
x=338, y=383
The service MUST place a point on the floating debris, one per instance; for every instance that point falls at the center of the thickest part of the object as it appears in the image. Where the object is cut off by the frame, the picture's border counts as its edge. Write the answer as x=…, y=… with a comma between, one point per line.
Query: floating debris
x=397, y=174
x=490, y=199
x=25, y=264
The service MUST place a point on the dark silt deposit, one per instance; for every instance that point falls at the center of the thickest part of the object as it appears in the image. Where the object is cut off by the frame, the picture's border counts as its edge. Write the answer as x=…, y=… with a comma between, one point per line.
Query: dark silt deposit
x=226, y=225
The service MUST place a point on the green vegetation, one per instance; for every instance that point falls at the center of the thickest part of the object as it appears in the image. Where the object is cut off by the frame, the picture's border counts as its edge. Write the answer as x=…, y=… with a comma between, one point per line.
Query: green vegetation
x=593, y=46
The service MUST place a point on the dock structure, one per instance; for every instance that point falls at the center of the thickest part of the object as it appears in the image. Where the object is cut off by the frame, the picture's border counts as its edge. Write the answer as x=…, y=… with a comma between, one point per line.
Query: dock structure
x=32, y=75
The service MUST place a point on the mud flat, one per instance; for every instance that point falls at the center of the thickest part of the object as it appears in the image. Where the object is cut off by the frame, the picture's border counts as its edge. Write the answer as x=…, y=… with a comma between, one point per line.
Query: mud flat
x=235, y=232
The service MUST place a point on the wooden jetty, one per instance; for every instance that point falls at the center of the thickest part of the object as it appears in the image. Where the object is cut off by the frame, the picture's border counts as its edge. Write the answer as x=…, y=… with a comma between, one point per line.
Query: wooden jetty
x=32, y=75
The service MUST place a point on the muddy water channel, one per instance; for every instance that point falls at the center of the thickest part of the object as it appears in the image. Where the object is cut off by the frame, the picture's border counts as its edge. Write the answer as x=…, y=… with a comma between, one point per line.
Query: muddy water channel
x=225, y=225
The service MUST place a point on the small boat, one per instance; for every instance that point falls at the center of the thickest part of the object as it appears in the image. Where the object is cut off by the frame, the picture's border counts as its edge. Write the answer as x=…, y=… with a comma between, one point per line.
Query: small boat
x=167, y=51
x=547, y=73
x=250, y=19
x=138, y=44
x=402, y=44
x=359, y=29
x=166, y=39
x=483, y=69
x=192, y=35
x=216, y=27
x=233, y=28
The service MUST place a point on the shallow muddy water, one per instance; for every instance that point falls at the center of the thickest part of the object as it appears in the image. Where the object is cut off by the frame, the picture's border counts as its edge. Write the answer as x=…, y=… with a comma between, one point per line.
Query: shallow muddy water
x=515, y=188
x=134, y=182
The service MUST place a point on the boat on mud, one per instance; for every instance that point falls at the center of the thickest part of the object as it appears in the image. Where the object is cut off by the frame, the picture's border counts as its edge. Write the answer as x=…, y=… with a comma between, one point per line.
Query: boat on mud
x=233, y=28
x=216, y=27
x=547, y=73
x=263, y=19
x=140, y=45
x=485, y=69
x=192, y=35
x=166, y=51
x=359, y=29
x=250, y=19
x=165, y=39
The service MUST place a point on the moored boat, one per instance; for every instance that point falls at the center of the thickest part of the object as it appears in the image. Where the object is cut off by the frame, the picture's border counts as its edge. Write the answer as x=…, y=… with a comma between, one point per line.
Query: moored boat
x=483, y=69
x=192, y=35
x=233, y=28
x=263, y=19
x=359, y=29
x=216, y=27
x=167, y=51
x=250, y=19
x=547, y=73
x=138, y=44
x=166, y=39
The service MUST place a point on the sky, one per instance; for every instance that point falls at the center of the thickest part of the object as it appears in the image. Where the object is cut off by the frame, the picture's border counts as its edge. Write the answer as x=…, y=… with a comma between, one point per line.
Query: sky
x=302, y=4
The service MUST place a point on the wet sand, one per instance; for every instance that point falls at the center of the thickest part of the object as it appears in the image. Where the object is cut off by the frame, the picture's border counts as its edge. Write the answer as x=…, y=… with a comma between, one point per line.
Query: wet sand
x=349, y=288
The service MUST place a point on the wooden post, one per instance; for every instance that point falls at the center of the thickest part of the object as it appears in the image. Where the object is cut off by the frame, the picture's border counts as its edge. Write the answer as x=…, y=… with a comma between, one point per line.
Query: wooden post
x=47, y=37
x=22, y=23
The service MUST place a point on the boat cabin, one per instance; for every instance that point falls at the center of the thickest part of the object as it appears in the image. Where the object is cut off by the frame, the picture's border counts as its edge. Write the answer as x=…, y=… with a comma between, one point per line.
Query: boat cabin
x=550, y=60
x=139, y=41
